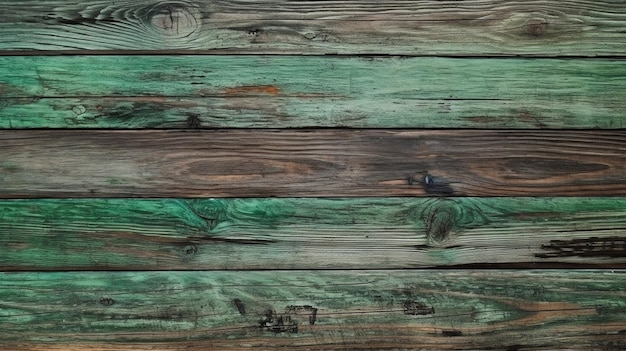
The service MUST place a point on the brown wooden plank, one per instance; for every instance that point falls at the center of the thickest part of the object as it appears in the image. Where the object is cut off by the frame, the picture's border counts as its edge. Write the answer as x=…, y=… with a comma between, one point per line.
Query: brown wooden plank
x=318, y=162
x=468, y=27
x=314, y=310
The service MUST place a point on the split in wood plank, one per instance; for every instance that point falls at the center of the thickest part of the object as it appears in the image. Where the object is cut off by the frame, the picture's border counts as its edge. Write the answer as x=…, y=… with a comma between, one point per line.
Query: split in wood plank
x=470, y=27
x=322, y=310
x=283, y=92
x=360, y=233
x=311, y=163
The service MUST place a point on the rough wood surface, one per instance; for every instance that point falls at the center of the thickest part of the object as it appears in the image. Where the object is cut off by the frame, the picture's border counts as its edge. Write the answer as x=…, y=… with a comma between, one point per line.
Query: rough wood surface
x=483, y=135
x=321, y=310
x=311, y=163
x=470, y=27
x=280, y=92
x=362, y=233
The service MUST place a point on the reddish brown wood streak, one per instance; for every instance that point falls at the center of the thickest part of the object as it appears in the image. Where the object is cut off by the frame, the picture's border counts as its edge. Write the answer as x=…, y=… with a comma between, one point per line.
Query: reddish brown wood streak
x=253, y=90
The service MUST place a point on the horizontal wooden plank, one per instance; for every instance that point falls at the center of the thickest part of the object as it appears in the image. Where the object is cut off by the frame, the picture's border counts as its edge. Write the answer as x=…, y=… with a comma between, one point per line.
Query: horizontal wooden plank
x=279, y=92
x=360, y=233
x=469, y=27
x=320, y=310
x=311, y=163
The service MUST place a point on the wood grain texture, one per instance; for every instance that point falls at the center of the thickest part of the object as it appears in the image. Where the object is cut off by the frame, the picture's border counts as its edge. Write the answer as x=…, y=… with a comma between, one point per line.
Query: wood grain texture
x=311, y=163
x=319, y=310
x=361, y=233
x=284, y=92
x=470, y=27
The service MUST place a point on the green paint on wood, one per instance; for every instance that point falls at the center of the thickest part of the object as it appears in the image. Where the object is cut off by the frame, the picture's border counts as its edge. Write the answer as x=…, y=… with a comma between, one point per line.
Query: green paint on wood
x=73, y=234
x=383, y=309
x=470, y=27
x=270, y=91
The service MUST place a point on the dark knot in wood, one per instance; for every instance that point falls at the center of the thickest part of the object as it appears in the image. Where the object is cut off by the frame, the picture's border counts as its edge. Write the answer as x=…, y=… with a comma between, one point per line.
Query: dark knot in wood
x=536, y=27
x=176, y=20
x=193, y=122
x=439, y=222
x=107, y=301
x=432, y=184
x=189, y=250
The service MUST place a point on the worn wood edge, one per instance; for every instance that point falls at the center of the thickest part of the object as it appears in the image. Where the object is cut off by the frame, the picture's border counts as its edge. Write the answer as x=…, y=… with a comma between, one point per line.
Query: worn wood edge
x=311, y=163
x=313, y=233
x=314, y=309
x=358, y=92
x=400, y=27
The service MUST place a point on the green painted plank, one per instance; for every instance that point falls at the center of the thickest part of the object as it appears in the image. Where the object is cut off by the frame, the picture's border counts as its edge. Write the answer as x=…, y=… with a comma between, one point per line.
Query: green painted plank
x=278, y=92
x=311, y=163
x=468, y=27
x=321, y=310
x=363, y=233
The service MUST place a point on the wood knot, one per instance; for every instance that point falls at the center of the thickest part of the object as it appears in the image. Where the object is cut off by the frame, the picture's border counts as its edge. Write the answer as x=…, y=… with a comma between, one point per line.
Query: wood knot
x=79, y=109
x=193, y=122
x=432, y=184
x=107, y=301
x=439, y=221
x=189, y=250
x=536, y=27
x=174, y=19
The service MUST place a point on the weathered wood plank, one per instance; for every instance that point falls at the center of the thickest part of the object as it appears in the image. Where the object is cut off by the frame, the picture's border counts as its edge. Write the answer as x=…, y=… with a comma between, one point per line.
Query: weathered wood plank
x=362, y=233
x=277, y=92
x=311, y=163
x=470, y=27
x=321, y=310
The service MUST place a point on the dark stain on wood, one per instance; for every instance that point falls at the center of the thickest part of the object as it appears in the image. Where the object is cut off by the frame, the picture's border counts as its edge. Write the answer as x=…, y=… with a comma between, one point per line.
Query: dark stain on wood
x=417, y=308
x=78, y=19
x=308, y=310
x=240, y=306
x=193, y=122
x=451, y=332
x=277, y=323
x=107, y=301
x=250, y=241
x=434, y=185
x=588, y=247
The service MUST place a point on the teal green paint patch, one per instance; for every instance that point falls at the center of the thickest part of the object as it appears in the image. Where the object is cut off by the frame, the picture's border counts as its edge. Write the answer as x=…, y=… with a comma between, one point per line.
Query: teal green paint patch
x=220, y=91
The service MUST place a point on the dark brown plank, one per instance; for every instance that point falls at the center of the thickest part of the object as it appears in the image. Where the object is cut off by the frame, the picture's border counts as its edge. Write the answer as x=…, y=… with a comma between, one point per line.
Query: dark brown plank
x=467, y=27
x=242, y=163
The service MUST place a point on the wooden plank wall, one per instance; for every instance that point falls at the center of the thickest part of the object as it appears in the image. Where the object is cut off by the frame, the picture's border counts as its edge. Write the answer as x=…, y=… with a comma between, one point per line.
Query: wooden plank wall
x=312, y=175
